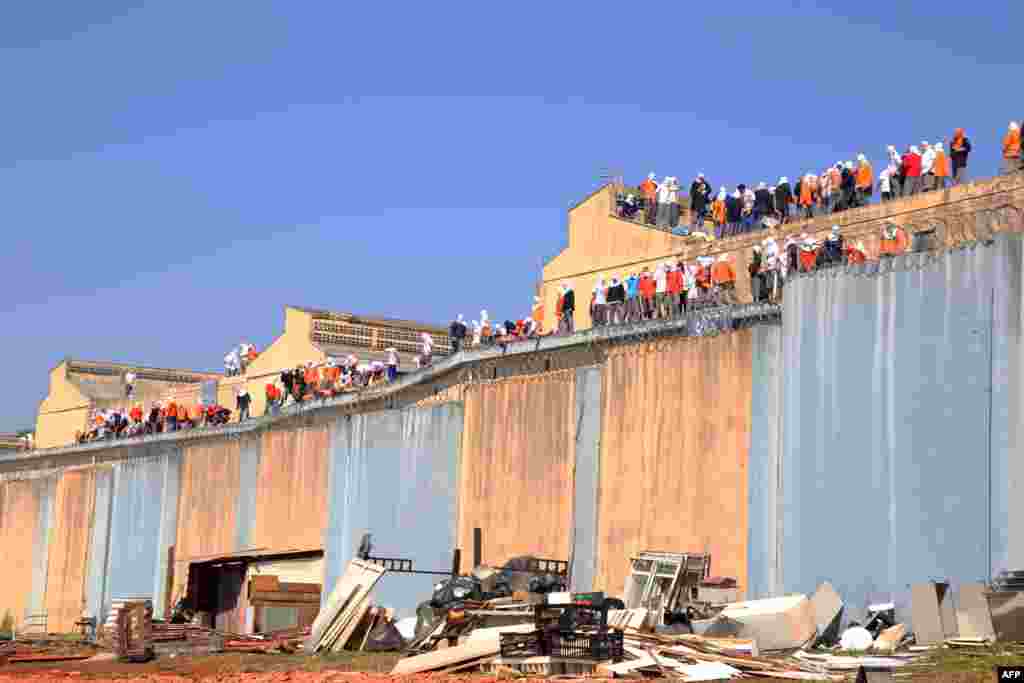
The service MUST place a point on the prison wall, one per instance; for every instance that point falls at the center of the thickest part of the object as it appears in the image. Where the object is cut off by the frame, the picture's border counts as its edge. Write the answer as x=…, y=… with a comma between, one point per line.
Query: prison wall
x=869, y=436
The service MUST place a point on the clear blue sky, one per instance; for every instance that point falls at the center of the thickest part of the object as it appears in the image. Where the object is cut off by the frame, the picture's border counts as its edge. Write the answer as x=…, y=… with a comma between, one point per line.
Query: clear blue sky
x=173, y=173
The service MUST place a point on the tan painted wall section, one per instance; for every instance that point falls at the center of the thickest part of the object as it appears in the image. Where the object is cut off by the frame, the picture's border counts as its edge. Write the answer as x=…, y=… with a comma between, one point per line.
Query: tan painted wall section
x=291, y=489
x=674, y=444
x=516, y=472
x=206, y=505
x=69, y=549
x=62, y=413
x=19, y=508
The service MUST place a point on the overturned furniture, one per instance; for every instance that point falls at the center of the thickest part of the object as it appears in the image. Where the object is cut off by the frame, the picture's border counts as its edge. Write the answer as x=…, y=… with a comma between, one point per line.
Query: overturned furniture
x=667, y=583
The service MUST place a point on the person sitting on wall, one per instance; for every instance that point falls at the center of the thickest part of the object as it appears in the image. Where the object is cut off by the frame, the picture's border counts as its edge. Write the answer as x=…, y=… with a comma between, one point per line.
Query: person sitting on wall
x=893, y=240
x=831, y=252
x=856, y=254
x=808, y=254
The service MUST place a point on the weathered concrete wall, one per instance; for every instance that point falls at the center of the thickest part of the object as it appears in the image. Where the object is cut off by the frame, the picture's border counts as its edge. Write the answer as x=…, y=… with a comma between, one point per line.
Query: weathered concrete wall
x=593, y=448
x=674, y=441
x=603, y=246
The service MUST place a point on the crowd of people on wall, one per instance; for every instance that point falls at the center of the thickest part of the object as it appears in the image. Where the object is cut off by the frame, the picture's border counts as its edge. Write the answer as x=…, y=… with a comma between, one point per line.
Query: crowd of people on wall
x=675, y=288
x=301, y=384
x=485, y=333
x=844, y=185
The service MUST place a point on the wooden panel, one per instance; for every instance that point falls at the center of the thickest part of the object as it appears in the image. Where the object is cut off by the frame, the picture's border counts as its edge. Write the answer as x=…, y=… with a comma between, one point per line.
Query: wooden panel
x=291, y=490
x=19, y=509
x=207, y=505
x=674, y=443
x=69, y=549
x=516, y=472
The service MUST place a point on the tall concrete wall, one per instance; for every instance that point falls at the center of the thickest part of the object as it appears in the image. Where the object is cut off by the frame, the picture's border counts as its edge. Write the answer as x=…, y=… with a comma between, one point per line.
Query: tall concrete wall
x=869, y=439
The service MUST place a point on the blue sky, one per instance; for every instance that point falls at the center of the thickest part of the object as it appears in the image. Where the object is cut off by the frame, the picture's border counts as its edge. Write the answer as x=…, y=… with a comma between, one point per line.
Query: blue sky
x=173, y=173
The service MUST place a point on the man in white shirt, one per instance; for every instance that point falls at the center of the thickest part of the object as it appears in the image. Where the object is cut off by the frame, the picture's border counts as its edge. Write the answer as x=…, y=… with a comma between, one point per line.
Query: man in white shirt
x=662, y=309
x=129, y=384
x=597, y=311
x=927, y=167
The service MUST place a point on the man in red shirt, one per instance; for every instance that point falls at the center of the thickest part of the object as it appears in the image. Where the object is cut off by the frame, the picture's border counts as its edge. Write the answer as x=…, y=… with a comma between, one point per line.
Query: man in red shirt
x=912, y=172
x=649, y=189
x=674, y=284
x=647, y=288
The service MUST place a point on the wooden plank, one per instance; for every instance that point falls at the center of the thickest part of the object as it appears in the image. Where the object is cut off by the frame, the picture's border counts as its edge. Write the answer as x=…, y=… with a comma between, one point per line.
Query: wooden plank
x=369, y=628
x=264, y=583
x=332, y=629
x=449, y=657
x=351, y=626
x=359, y=576
x=300, y=587
x=281, y=596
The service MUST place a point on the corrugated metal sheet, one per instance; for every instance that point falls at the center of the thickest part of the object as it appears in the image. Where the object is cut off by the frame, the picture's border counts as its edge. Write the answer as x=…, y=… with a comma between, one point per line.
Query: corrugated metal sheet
x=889, y=461
x=291, y=489
x=517, y=461
x=70, y=537
x=143, y=527
x=248, y=478
x=22, y=518
x=395, y=474
x=674, y=441
x=207, y=505
x=45, y=495
x=764, y=462
x=585, y=480
x=99, y=545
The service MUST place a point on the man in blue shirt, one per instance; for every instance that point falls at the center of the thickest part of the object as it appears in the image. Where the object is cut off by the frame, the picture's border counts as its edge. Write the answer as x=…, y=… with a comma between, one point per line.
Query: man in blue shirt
x=633, y=311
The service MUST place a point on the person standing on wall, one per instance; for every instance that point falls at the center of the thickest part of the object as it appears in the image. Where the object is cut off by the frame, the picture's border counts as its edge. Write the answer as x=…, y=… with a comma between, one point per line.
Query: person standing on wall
x=243, y=404
x=895, y=167
x=129, y=384
x=911, y=171
x=699, y=195
x=865, y=180
x=1011, y=149
x=941, y=167
x=959, y=149
x=567, y=323
x=457, y=333
x=392, y=363
x=649, y=189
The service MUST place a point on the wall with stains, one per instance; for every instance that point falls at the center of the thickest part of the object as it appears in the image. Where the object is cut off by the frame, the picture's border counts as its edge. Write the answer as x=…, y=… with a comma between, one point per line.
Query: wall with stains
x=674, y=442
x=291, y=489
x=69, y=540
x=517, y=466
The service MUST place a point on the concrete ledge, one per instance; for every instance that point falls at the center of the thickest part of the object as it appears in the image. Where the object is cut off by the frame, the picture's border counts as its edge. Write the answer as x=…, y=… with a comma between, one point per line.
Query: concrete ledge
x=713, y=318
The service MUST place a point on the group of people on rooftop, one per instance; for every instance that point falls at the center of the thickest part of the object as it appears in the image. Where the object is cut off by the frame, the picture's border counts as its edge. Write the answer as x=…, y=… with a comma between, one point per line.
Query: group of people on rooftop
x=844, y=185
x=162, y=417
x=675, y=288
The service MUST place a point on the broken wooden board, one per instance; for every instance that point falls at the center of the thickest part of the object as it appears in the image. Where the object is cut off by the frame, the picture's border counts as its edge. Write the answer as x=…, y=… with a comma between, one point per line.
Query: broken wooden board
x=828, y=612
x=348, y=594
x=889, y=639
x=356, y=619
x=622, y=619
x=469, y=651
x=775, y=623
x=972, y=616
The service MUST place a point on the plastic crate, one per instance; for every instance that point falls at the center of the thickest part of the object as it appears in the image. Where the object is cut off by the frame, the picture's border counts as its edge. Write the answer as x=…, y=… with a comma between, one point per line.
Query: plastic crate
x=566, y=645
x=515, y=645
x=598, y=646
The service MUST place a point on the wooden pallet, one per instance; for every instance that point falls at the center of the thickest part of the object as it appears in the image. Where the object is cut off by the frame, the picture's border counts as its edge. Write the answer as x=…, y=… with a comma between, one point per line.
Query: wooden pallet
x=539, y=666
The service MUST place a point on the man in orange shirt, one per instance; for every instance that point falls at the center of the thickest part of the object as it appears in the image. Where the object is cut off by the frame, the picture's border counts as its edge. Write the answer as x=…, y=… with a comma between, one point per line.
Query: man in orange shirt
x=649, y=189
x=865, y=180
x=724, y=276
x=171, y=416
x=1011, y=149
x=893, y=241
x=941, y=167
